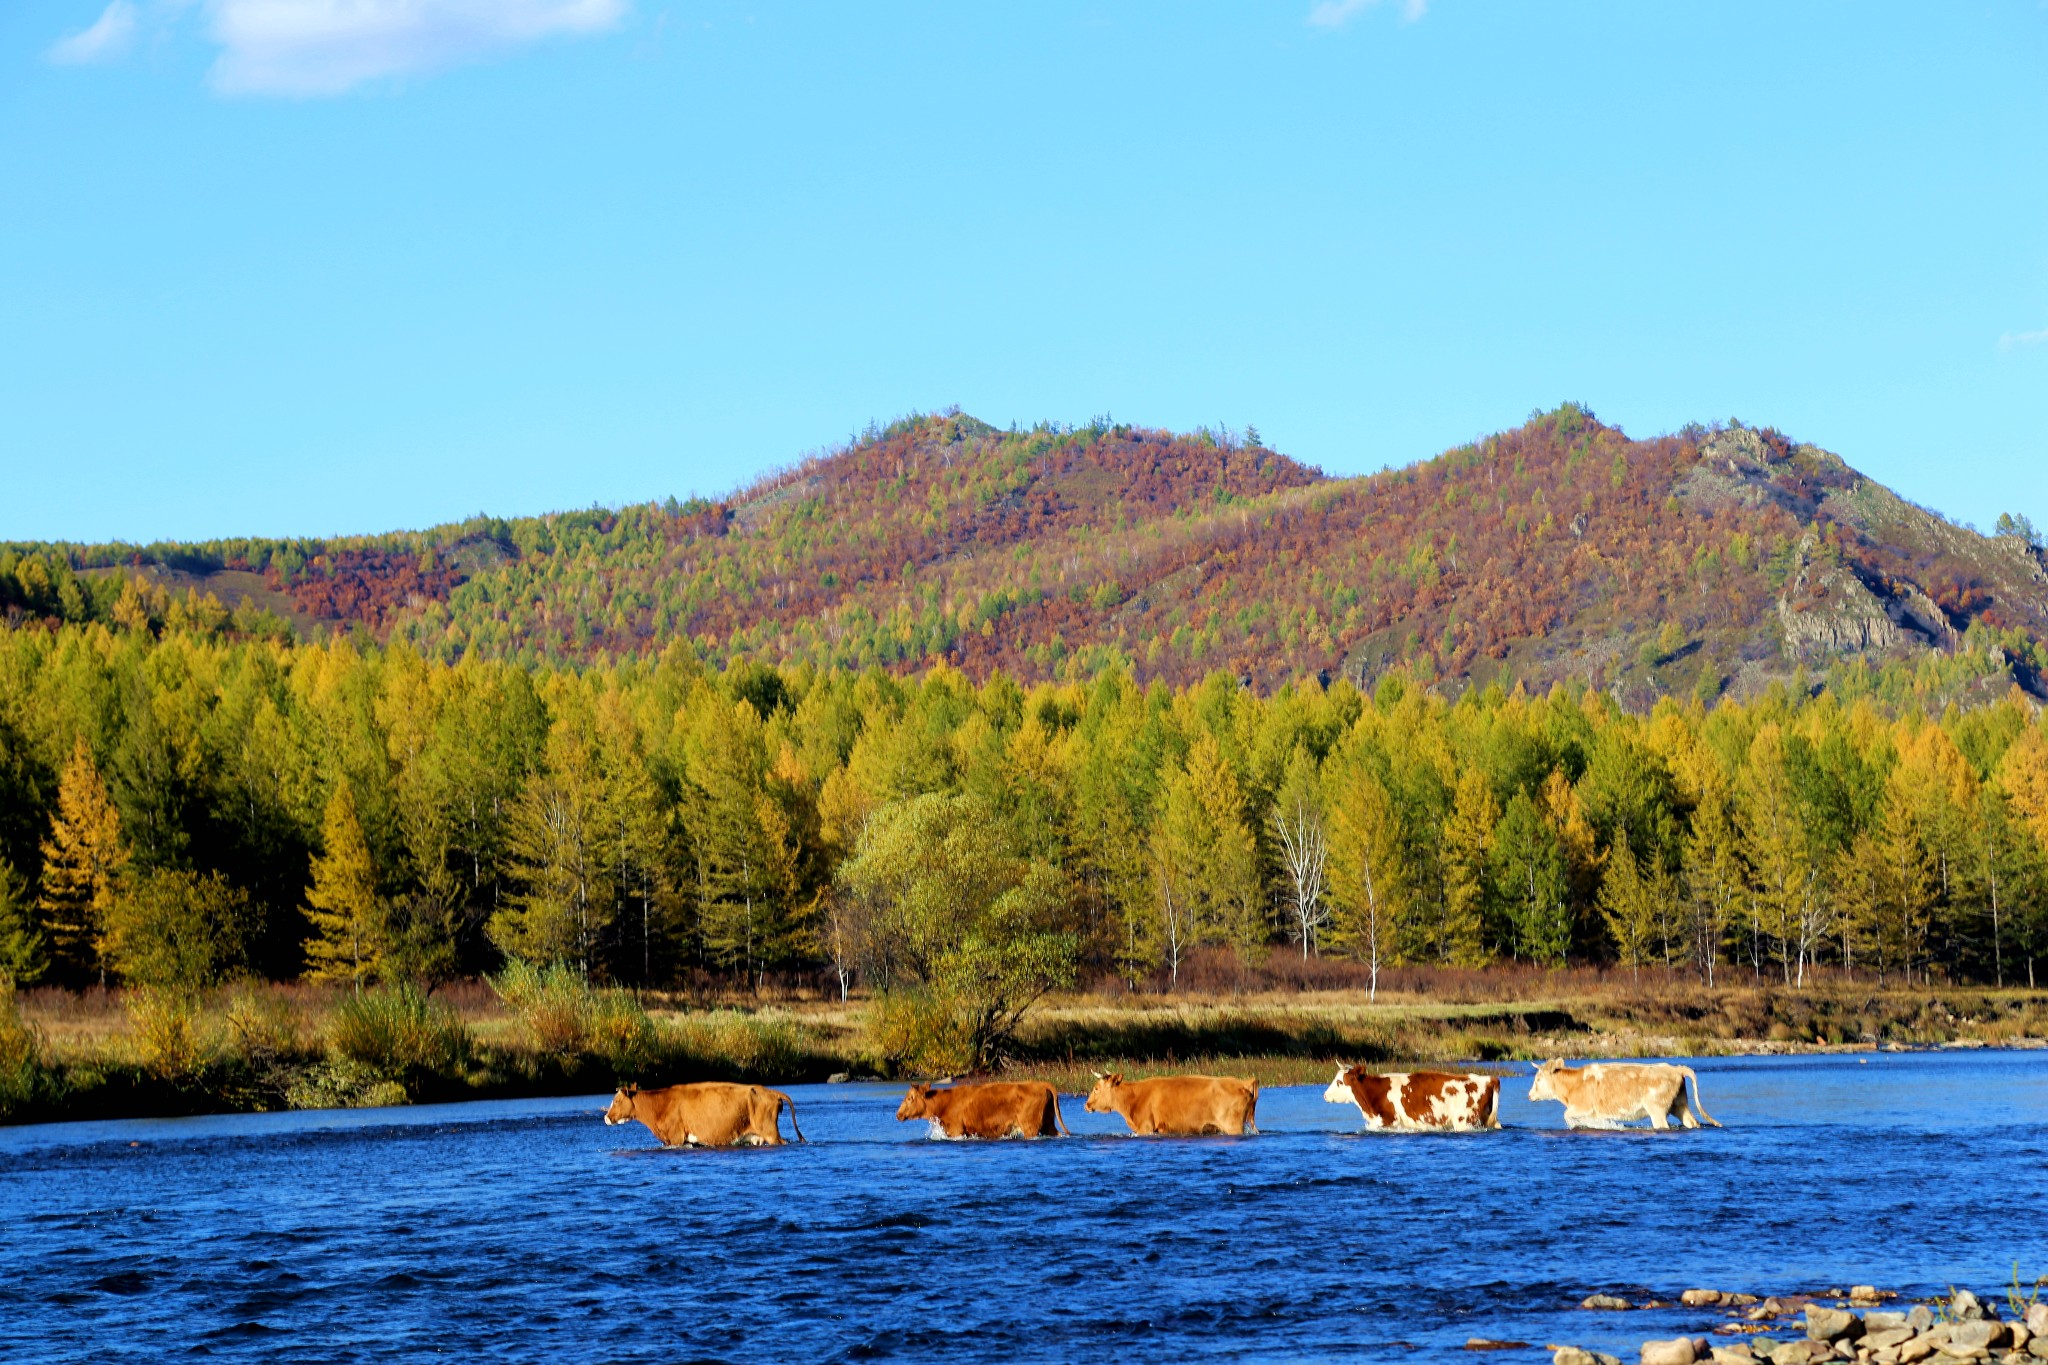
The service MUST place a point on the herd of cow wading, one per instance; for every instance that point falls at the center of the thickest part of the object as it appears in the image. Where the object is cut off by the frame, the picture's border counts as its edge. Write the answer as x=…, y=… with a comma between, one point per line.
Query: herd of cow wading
x=1602, y=1095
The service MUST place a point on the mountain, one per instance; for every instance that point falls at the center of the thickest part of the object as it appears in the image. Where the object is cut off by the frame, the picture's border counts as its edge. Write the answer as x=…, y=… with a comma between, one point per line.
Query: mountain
x=1713, y=560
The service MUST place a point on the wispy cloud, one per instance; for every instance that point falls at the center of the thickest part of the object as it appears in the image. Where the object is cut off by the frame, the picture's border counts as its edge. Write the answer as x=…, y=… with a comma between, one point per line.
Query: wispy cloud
x=1337, y=13
x=324, y=47
x=110, y=36
x=2012, y=339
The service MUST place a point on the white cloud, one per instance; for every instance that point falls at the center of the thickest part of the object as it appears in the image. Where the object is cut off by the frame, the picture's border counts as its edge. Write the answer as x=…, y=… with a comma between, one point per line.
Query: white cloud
x=2012, y=339
x=110, y=36
x=323, y=47
x=1337, y=13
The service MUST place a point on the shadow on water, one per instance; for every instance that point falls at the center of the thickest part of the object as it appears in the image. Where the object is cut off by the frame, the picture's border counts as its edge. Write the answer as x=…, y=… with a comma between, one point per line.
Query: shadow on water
x=529, y=1230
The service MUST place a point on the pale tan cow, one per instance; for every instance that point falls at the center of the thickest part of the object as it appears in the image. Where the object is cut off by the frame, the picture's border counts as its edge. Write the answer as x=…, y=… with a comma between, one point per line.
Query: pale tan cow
x=1178, y=1105
x=1609, y=1094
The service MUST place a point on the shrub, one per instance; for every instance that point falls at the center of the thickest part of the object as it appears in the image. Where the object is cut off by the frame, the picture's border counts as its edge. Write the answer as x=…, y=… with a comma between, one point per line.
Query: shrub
x=399, y=1034
x=264, y=1026
x=745, y=1046
x=569, y=1018
x=23, y=1077
x=919, y=1032
x=166, y=1033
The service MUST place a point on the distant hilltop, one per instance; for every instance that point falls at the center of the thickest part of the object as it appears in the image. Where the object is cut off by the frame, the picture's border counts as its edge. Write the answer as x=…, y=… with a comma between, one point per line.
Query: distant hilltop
x=1716, y=560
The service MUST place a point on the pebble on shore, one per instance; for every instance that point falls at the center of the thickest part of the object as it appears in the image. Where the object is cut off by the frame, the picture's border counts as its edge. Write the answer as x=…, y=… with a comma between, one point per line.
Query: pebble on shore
x=1966, y=1330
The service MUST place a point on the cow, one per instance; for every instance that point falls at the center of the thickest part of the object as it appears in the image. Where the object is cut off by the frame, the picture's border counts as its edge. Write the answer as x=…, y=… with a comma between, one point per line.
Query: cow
x=707, y=1114
x=1609, y=1094
x=993, y=1109
x=1418, y=1101
x=1178, y=1105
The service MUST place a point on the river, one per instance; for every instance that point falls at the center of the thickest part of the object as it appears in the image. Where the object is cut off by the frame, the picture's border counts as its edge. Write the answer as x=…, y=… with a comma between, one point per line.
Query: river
x=527, y=1230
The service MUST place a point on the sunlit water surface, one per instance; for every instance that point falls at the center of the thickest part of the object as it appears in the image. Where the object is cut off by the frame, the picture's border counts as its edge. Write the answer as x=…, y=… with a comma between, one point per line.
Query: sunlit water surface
x=528, y=1230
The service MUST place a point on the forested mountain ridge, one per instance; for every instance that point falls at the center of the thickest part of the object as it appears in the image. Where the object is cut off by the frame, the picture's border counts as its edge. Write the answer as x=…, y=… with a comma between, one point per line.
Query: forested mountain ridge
x=1709, y=561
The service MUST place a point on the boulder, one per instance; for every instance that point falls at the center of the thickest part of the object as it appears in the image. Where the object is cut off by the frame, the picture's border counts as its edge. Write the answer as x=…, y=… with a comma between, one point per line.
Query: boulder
x=2037, y=1319
x=1737, y=1354
x=1976, y=1334
x=1738, y=1300
x=1803, y=1352
x=2038, y=1348
x=1921, y=1319
x=1881, y=1337
x=1702, y=1298
x=1832, y=1324
x=1877, y=1320
x=1571, y=1355
x=1964, y=1307
x=1606, y=1301
x=1864, y=1293
x=1677, y=1351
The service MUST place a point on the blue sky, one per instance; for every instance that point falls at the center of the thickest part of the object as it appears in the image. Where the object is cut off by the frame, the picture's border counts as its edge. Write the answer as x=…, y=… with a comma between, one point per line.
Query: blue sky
x=313, y=266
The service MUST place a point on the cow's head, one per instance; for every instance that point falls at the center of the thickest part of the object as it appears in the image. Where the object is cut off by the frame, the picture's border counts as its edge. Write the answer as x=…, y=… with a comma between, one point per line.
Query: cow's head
x=916, y=1104
x=1544, y=1087
x=1339, y=1091
x=1098, y=1101
x=622, y=1105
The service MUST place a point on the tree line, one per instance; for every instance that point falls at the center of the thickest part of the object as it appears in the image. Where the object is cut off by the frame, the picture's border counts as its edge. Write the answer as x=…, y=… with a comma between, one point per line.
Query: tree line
x=179, y=809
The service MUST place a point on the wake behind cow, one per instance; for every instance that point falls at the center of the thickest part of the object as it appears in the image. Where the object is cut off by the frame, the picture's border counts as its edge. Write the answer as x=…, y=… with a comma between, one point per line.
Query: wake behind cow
x=1419, y=1101
x=1181, y=1106
x=1609, y=1094
x=707, y=1114
x=992, y=1109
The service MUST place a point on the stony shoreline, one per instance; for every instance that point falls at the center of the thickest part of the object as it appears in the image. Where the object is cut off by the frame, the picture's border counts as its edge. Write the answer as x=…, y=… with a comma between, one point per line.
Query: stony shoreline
x=1833, y=1326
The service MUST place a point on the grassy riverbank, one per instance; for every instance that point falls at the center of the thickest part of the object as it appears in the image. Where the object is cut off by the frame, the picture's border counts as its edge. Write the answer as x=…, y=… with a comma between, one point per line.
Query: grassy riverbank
x=110, y=1054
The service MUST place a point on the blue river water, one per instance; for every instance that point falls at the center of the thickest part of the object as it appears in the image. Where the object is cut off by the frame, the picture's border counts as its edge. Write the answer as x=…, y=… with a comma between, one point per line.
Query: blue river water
x=529, y=1231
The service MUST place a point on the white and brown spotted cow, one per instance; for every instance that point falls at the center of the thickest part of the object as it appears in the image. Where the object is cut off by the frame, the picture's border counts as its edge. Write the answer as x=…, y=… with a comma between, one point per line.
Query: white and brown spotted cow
x=1419, y=1101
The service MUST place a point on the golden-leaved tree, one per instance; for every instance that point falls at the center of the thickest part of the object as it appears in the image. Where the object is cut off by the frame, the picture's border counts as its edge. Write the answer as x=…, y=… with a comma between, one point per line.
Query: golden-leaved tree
x=351, y=926
x=84, y=862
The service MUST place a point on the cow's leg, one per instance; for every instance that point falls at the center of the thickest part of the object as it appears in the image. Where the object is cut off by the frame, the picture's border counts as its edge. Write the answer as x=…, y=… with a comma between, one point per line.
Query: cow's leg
x=1660, y=1119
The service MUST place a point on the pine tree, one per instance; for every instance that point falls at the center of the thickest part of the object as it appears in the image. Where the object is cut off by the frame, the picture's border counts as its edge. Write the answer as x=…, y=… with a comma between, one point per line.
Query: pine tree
x=1468, y=851
x=1713, y=874
x=351, y=927
x=24, y=953
x=557, y=853
x=1530, y=884
x=84, y=861
x=1366, y=866
x=1628, y=906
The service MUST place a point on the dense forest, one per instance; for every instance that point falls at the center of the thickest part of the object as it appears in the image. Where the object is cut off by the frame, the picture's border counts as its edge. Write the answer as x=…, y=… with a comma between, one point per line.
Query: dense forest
x=1708, y=563
x=179, y=804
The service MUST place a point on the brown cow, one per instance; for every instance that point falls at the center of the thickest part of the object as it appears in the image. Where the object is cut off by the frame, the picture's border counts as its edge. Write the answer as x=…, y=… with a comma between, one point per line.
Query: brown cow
x=1414, y=1101
x=707, y=1114
x=993, y=1109
x=1609, y=1094
x=1180, y=1105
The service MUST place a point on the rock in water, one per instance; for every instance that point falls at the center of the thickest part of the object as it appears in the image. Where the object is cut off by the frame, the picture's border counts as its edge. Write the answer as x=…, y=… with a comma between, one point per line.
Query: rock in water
x=1677, y=1351
x=1701, y=1298
x=1832, y=1324
x=1607, y=1301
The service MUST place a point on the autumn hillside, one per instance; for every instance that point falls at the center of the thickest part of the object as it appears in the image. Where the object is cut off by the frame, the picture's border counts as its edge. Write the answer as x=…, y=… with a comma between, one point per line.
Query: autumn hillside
x=1711, y=561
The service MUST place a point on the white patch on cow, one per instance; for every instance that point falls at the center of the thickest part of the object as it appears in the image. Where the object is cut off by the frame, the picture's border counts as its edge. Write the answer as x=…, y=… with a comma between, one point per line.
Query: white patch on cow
x=1338, y=1092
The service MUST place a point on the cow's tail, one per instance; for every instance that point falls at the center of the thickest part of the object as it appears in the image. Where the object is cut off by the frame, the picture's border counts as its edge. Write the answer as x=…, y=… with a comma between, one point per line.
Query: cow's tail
x=1489, y=1109
x=1053, y=1098
x=790, y=1104
x=1699, y=1110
